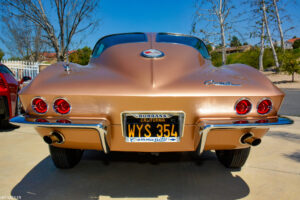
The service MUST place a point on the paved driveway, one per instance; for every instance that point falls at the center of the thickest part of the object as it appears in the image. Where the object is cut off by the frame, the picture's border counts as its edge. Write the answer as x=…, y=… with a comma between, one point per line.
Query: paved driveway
x=272, y=172
x=291, y=103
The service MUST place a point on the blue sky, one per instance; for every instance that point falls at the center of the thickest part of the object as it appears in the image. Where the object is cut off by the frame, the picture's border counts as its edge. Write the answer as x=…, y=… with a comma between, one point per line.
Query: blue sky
x=119, y=16
x=168, y=16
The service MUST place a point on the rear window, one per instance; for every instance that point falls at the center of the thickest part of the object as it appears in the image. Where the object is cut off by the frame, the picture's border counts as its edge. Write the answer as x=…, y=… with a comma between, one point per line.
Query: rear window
x=112, y=40
x=186, y=40
x=4, y=69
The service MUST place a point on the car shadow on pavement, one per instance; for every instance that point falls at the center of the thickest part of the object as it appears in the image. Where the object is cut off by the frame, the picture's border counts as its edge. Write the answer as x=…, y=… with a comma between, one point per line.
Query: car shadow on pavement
x=294, y=156
x=133, y=175
x=9, y=128
x=292, y=137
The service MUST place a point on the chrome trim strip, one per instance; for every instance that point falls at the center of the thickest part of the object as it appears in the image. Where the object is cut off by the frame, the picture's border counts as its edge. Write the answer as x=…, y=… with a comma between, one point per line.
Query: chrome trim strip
x=205, y=128
x=101, y=127
x=220, y=83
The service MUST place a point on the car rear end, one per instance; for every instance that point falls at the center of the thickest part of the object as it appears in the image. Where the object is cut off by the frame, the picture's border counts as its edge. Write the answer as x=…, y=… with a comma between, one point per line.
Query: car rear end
x=181, y=119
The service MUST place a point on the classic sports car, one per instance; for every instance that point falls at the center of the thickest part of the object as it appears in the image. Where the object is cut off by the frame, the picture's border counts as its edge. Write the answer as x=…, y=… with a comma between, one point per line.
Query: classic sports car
x=151, y=92
x=9, y=87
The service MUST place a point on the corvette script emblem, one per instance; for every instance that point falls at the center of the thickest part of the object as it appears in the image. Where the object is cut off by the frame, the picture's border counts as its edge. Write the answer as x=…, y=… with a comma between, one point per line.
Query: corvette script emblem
x=152, y=53
x=227, y=83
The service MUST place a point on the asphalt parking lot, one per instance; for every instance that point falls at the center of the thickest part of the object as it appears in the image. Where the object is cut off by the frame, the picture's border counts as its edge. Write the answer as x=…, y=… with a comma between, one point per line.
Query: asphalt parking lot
x=271, y=172
x=290, y=105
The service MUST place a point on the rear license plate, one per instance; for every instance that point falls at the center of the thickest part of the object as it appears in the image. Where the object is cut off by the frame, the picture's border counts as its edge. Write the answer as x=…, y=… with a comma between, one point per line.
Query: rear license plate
x=152, y=127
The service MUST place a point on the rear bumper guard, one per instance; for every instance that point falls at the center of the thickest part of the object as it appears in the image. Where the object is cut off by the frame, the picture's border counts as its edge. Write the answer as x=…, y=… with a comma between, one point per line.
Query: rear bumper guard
x=205, y=127
x=101, y=127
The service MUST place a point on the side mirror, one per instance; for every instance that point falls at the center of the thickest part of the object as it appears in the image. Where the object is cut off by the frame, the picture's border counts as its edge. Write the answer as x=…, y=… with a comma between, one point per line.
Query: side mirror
x=24, y=79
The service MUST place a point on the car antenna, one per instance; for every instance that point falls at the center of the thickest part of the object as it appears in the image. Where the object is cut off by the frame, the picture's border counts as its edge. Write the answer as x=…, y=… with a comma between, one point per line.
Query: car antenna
x=67, y=63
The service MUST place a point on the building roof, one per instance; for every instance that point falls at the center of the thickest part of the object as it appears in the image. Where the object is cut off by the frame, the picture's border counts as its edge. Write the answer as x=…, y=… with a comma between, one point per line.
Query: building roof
x=53, y=55
x=293, y=40
x=234, y=49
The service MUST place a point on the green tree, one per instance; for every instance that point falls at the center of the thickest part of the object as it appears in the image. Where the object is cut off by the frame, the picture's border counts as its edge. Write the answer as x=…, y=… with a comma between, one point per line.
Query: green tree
x=81, y=56
x=209, y=47
x=235, y=42
x=290, y=64
x=296, y=44
x=1, y=54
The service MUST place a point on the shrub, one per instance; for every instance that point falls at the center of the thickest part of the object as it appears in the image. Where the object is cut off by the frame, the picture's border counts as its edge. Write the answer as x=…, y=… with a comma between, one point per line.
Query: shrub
x=81, y=56
x=249, y=58
x=296, y=44
x=1, y=54
x=290, y=64
x=216, y=59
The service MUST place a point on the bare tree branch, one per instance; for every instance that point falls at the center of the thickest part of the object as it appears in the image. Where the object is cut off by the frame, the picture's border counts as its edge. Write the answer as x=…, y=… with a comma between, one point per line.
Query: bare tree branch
x=79, y=12
x=217, y=15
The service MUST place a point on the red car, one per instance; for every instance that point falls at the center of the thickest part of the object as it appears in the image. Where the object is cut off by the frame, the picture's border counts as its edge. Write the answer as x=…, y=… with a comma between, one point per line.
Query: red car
x=9, y=87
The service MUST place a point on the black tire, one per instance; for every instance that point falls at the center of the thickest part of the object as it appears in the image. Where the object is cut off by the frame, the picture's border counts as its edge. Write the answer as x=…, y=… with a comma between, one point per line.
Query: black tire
x=65, y=158
x=4, y=124
x=235, y=158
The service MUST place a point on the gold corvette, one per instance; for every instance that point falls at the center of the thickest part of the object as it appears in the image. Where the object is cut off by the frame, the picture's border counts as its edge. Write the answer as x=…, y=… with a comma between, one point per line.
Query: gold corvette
x=151, y=92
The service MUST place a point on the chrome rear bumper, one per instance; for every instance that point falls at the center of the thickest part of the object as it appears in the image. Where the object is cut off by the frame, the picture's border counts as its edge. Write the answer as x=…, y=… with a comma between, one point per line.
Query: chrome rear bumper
x=204, y=127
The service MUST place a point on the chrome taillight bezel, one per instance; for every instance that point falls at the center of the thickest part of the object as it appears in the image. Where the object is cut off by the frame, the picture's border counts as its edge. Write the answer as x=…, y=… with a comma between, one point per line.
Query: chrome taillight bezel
x=33, y=108
x=64, y=100
x=263, y=99
x=238, y=101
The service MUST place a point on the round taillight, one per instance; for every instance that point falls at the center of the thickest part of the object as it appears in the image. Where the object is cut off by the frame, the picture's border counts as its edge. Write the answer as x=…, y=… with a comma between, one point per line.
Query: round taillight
x=243, y=107
x=39, y=105
x=264, y=107
x=40, y=120
x=61, y=106
x=63, y=121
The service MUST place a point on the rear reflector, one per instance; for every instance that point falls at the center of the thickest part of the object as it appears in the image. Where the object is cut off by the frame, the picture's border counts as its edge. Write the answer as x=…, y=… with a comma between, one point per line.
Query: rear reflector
x=243, y=107
x=39, y=105
x=241, y=122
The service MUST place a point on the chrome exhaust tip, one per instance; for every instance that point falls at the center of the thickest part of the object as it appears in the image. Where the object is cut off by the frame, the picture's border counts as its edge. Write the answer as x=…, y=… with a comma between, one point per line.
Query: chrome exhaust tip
x=248, y=138
x=55, y=137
